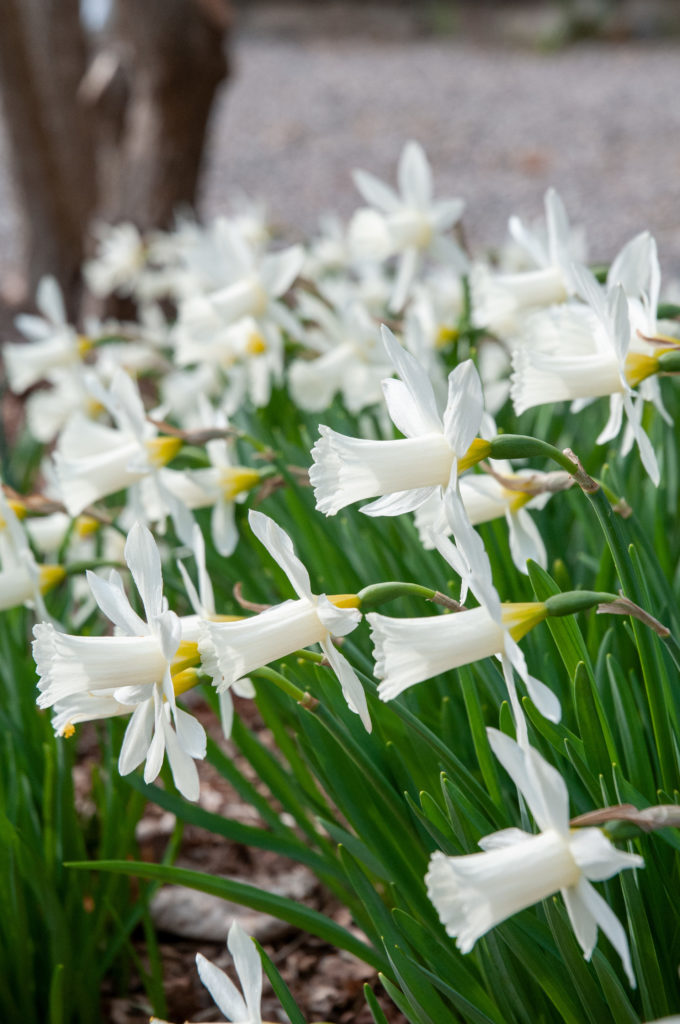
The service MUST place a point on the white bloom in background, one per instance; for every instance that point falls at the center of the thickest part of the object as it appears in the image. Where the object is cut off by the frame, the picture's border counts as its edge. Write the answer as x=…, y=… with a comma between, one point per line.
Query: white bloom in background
x=501, y=301
x=203, y=603
x=90, y=677
x=403, y=473
x=351, y=359
x=217, y=486
x=120, y=261
x=474, y=893
x=408, y=223
x=93, y=460
x=258, y=282
x=22, y=579
x=586, y=355
x=409, y=651
x=53, y=342
x=232, y=650
x=507, y=494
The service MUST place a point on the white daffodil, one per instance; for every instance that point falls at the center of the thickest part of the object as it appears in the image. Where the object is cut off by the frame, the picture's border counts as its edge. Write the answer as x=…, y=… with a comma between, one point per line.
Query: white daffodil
x=588, y=354
x=403, y=473
x=135, y=671
x=120, y=261
x=501, y=301
x=203, y=603
x=231, y=650
x=53, y=342
x=474, y=893
x=407, y=223
x=351, y=359
x=503, y=493
x=409, y=651
x=22, y=579
x=93, y=460
x=217, y=486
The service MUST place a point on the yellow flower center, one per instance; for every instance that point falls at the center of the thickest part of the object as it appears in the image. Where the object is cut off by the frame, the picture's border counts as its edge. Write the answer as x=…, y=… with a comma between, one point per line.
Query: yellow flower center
x=186, y=657
x=18, y=508
x=185, y=680
x=516, y=499
x=50, y=576
x=162, y=450
x=520, y=617
x=84, y=344
x=68, y=730
x=256, y=345
x=478, y=450
x=445, y=336
x=344, y=600
x=86, y=526
x=237, y=479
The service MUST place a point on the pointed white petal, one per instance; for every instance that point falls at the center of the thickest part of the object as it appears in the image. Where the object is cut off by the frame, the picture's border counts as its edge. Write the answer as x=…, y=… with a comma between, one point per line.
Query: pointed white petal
x=376, y=192
x=415, y=175
x=398, y=502
x=352, y=690
x=406, y=274
x=248, y=967
x=464, y=408
x=144, y=562
x=421, y=415
x=111, y=598
x=610, y=925
x=227, y=998
x=525, y=540
x=137, y=738
x=280, y=547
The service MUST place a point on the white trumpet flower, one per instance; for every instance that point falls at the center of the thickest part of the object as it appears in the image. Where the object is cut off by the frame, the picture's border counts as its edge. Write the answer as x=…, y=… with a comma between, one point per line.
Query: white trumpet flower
x=90, y=677
x=589, y=354
x=408, y=223
x=404, y=473
x=92, y=460
x=505, y=493
x=409, y=651
x=474, y=893
x=501, y=301
x=53, y=343
x=231, y=650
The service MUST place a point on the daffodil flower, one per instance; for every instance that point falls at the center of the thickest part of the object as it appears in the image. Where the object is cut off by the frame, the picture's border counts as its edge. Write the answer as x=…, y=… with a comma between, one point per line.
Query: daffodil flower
x=92, y=460
x=232, y=650
x=135, y=671
x=500, y=302
x=202, y=601
x=409, y=651
x=408, y=223
x=505, y=493
x=591, y=356
x=474, y=893
x=403, y=473
x=53, y=343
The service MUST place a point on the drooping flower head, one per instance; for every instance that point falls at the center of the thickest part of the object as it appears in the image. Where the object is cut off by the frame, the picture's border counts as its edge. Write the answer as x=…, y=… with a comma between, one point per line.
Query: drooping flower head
x=231, y=650
x=133, y=672
x=474, y=893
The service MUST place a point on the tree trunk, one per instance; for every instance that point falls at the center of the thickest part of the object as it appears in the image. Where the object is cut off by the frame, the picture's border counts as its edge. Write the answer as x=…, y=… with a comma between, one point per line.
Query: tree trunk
x=42, y=59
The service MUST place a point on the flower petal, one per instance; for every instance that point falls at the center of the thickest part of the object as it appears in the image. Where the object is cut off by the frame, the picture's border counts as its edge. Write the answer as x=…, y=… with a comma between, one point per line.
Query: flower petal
x=280, y=547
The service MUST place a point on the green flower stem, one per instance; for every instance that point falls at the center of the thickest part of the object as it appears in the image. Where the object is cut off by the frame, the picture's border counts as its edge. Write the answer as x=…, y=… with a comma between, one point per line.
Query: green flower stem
x=520, y=446
x=669, y=362
x=572, y=601
x=613, y=529
x=298, y=695
x=379, y=593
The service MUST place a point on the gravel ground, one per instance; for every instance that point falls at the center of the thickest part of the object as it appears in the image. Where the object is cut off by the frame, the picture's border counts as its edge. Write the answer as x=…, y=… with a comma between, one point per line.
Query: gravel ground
x=500, y=124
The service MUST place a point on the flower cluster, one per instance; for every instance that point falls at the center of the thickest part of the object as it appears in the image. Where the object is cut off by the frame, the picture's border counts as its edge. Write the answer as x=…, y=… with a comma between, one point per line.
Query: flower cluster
x=386, y=329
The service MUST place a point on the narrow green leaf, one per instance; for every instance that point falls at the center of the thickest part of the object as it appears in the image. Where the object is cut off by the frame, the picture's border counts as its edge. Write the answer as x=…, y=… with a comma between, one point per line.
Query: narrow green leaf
x=248, y=896
x=374, y=1006
x=281, y=990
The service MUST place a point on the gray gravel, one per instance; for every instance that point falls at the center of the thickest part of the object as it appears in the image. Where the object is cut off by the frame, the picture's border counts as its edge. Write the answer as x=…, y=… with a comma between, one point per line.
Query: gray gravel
x=599, y=121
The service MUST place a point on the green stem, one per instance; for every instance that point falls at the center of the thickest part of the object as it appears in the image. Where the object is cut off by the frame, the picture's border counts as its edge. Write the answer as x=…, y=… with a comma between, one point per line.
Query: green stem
x=379, y=593
x=298, y=695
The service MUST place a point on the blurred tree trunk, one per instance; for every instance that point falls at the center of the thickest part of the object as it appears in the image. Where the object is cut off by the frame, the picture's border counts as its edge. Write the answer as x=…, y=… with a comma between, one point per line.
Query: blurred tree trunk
x=42, y=60
x=123, y=140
